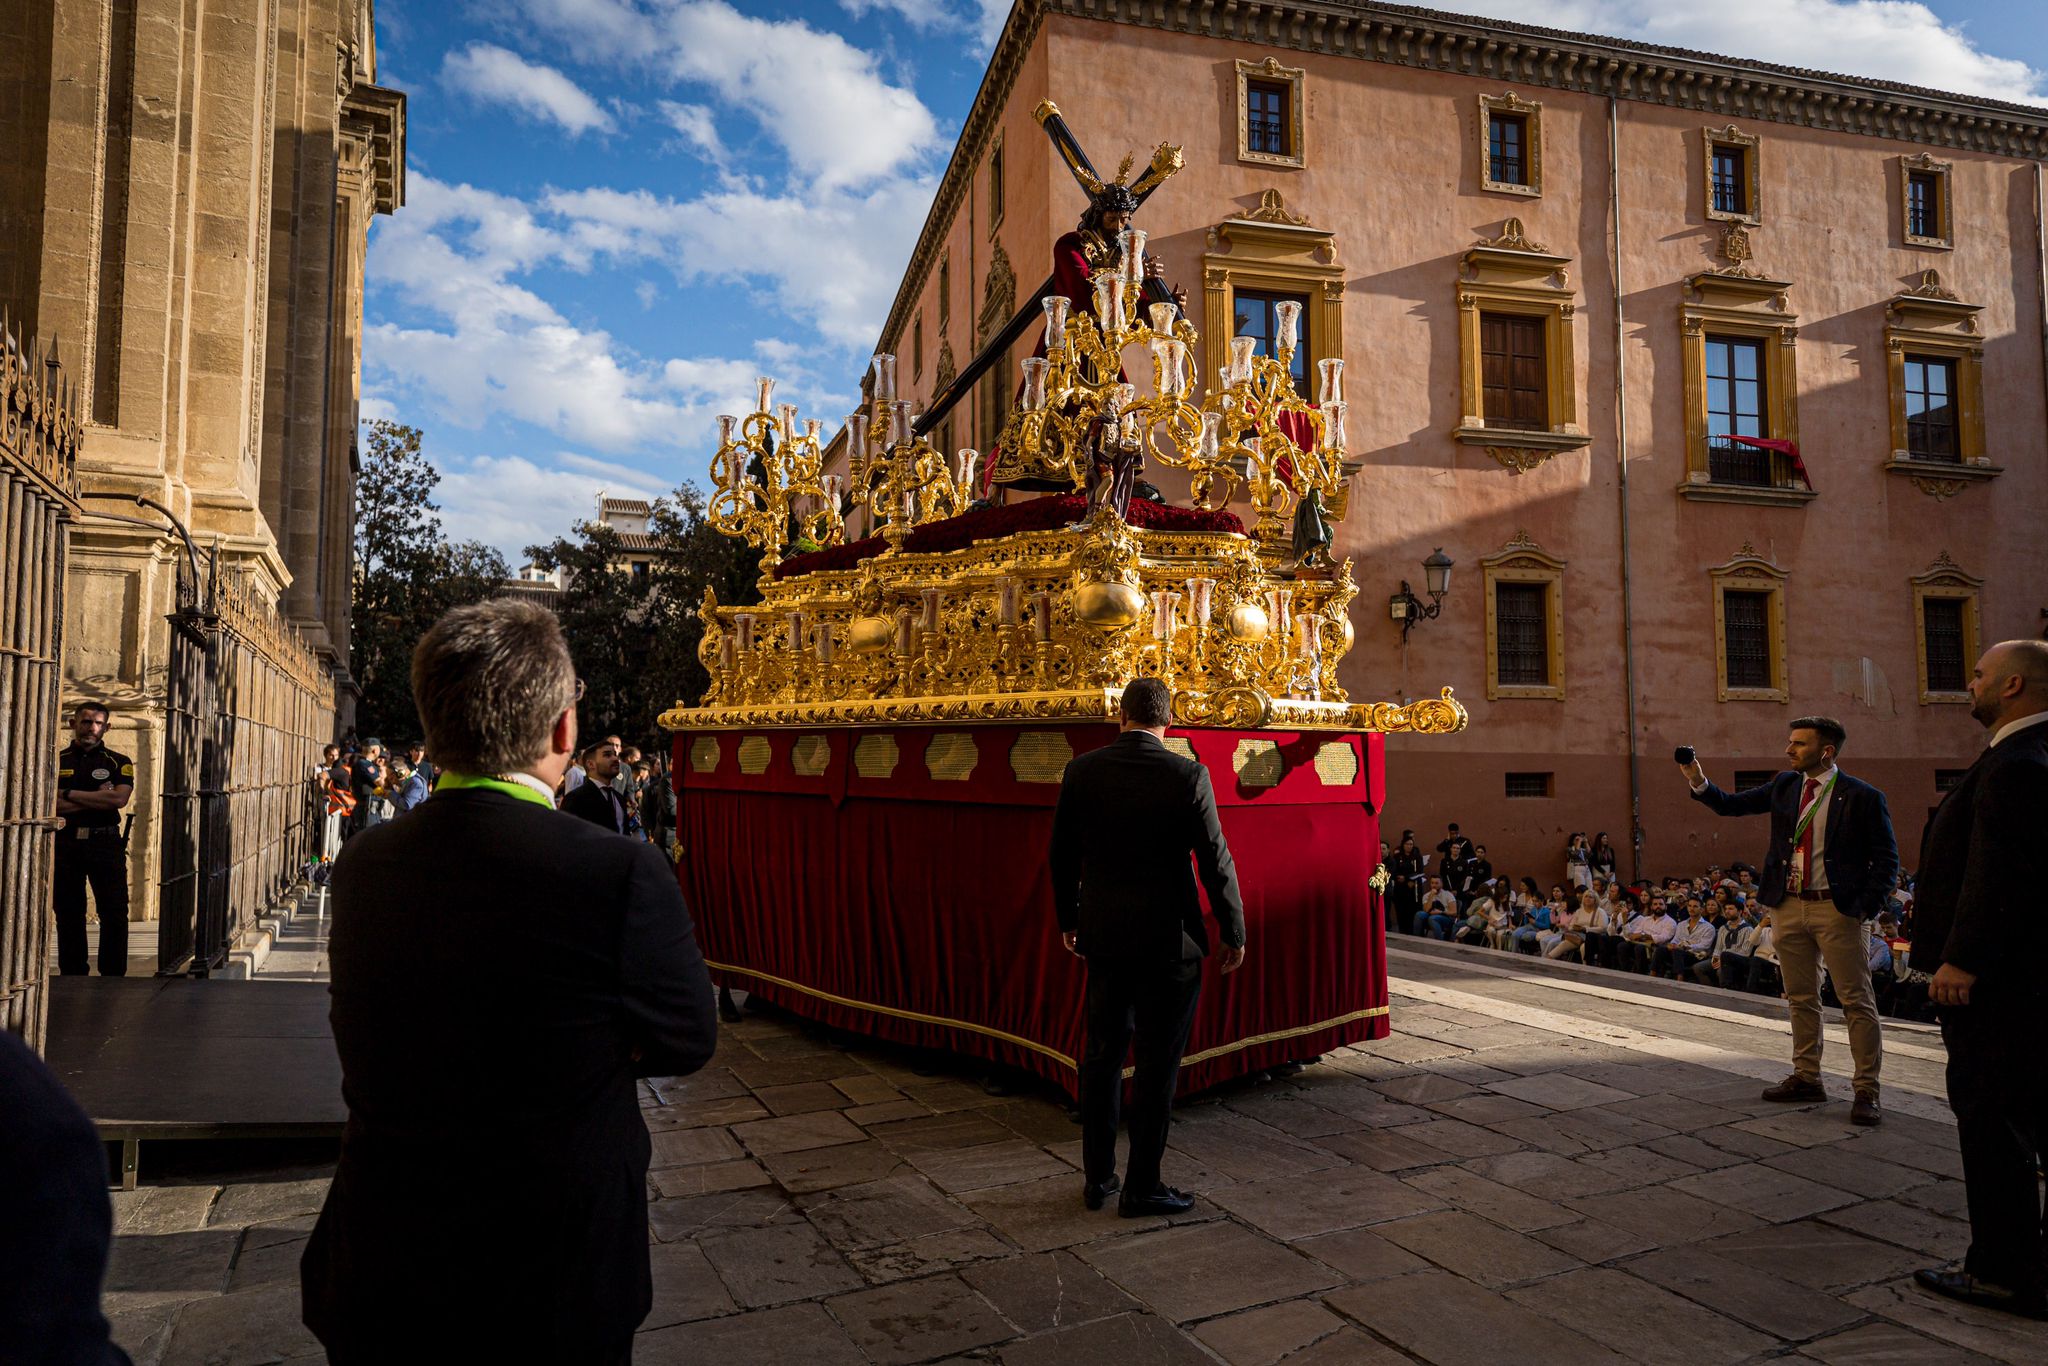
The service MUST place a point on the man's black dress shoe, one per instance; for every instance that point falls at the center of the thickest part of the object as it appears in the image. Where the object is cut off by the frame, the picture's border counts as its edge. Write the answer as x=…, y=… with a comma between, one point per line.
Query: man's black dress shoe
x=1163, y=1200
x=1097, y=1196
x=1961, y=1285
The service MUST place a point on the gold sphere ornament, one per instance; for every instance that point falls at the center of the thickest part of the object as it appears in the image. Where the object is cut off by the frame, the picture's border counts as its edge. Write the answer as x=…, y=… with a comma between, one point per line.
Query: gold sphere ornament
x=1347, y=635
x=1248, y=621
x=869, y=635
x=1107, y=606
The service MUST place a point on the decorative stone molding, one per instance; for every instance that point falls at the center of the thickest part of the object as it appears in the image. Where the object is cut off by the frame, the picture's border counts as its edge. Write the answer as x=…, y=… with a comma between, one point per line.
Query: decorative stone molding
x=1531, y=114
x=1945, y=579
x=1749, y=571
x=1508, y=273
x=1521, y=560
x=1294, y=78
x=1272, y=209
x=1926, y=165
x=1752, y=187
x=1927, y=321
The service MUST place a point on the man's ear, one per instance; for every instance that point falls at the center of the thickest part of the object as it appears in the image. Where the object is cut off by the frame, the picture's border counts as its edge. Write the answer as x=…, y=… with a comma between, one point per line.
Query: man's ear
x=562, y=740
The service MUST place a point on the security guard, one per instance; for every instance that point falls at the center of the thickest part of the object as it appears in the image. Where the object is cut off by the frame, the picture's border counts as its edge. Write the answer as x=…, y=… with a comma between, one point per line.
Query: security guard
x=93, y=784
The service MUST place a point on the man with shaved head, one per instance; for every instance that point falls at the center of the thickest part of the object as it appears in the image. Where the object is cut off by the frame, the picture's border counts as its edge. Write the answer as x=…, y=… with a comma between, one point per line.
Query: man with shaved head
x=1978, y=926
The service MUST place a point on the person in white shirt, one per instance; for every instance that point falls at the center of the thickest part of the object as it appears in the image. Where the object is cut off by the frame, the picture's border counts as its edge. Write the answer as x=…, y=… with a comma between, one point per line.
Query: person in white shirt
x=1644, y=936
x=1689, y=942
x=1588, y=919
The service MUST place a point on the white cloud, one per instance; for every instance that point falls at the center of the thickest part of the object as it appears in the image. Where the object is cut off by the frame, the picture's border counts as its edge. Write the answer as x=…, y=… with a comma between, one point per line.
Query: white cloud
x=1893, y=40
x=823, y=100
x=990, y=16
x=495, y=76
x=695, y=124
x=926, y=16
x=512, y=502
x=831, y=257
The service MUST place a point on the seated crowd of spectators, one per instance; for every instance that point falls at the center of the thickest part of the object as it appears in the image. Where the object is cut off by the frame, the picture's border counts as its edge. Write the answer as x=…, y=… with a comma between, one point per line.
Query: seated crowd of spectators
x=1711, y=929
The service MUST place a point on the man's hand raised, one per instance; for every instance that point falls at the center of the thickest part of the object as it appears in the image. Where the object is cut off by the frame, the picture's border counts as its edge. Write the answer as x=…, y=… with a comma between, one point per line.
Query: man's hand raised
x=1233, y=958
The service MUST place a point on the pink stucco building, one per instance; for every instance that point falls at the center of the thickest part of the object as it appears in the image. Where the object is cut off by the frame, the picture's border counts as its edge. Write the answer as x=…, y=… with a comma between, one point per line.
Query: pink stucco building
x=1563, y=271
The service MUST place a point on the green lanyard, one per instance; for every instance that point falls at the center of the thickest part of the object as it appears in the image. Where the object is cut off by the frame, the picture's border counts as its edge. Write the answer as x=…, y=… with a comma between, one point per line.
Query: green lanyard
x=451, y=782
x=1799, y=830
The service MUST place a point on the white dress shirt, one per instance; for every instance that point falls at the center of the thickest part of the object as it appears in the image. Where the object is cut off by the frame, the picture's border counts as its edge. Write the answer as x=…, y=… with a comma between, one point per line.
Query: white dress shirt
x=1817, y=874
x=2012, y=727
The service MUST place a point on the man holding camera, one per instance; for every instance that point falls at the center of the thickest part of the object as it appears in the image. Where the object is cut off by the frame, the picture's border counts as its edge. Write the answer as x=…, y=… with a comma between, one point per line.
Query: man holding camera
x=1832, y=862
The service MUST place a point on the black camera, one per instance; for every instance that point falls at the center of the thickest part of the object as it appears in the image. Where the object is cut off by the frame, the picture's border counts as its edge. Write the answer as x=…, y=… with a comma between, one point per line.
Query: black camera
x=1684, y=755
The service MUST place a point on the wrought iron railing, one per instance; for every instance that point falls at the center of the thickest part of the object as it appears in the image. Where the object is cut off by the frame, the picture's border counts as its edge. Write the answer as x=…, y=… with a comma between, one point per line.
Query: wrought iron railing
x=248, y=707
x=39, y=434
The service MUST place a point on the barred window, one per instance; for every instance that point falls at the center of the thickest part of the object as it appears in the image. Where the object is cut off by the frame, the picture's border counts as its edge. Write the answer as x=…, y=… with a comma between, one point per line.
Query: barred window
x=1266, y=121
x=1731, y=179
x=1526, y=785
x=1507, y=138
x=1941, y=620
x=1523, y=634
x=1746, y=620
x=1923, y=204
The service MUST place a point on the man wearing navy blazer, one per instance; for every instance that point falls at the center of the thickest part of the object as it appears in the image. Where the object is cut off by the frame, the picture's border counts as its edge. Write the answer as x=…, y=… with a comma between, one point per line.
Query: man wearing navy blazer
x=1978, y=927
x=1832, y=863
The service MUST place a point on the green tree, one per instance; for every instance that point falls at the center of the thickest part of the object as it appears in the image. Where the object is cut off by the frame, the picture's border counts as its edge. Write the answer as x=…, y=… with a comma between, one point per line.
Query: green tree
x=407, y=573
x=697, y=555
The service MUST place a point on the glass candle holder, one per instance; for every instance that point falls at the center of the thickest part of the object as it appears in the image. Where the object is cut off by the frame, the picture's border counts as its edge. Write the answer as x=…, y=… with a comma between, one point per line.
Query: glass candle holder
x=726, y=423
x=1109, y=304
x=1278, y=602
x=1006, y=601
x=903, y=630
x=1056, y=307
x=1173, y=373
x=1212, y=437
x=785, y=422
x=764, y=394
x=793, y=623
x=885, y=376
x=1041, y=616
x=900, y=427
x=822, y=641
x=1333, y=427
x=728, y=654
x=812, y=429
x=1132, y=266
x=834, y=487
x=1033, y=398
x=930, y=599
x=857, y=440
x=743, y=624
x=1165, y=615
x=1162, y=318
x=1330, y=381
x=964, y=470
x=1242, y=349
x=1308, y=636
x=1199, y=592
x=1287, y=317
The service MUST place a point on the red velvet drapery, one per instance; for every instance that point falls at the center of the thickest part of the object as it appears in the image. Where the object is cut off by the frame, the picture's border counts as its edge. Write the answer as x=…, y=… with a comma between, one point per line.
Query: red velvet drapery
x=890, y=893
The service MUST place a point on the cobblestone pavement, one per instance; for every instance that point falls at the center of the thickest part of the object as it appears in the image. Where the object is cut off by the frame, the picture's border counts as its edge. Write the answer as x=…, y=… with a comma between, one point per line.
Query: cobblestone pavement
x=1534, y=1168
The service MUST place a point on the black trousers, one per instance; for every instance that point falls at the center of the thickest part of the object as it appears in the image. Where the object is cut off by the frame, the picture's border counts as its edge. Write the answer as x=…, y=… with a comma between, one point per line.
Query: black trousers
x=1999, y=1092
x=1156, y=1001
x=101, y=861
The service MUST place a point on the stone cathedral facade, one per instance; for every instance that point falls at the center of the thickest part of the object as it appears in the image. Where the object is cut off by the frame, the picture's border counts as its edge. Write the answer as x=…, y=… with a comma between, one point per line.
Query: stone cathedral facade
x=185, y=196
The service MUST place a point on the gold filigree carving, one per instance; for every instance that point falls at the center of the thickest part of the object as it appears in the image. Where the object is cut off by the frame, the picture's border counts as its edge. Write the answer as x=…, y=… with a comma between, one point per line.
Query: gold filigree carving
x=1272, y=209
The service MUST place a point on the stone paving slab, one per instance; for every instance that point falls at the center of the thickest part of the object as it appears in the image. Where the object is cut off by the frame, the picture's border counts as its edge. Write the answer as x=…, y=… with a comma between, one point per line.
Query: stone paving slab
x=1472, y=1190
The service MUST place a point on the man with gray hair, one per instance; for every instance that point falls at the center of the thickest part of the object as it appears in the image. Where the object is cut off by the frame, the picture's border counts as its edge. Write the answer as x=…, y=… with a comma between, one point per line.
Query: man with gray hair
x=491, y=1202
x=1978, y=927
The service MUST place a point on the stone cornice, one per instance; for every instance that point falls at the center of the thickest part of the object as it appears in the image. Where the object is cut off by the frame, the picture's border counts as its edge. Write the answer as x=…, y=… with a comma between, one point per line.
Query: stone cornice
x=1522, y=55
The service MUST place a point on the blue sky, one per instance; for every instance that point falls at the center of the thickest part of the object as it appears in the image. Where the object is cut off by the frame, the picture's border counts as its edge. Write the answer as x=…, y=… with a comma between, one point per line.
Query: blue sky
x=620, y=211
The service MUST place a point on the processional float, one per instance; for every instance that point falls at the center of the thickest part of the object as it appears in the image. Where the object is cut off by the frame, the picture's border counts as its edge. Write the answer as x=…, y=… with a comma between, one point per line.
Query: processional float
x=867, y=785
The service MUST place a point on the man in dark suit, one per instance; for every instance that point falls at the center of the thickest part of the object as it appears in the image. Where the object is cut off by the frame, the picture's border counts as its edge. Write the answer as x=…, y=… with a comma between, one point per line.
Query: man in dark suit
x=501, y=978
x=1832, y=863
x=1978, y=926
x=1130, y=815
x=596, y=800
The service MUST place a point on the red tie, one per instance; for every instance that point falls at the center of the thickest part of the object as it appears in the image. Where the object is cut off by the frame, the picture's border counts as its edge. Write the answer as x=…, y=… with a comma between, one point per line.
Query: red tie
x=1806, y=835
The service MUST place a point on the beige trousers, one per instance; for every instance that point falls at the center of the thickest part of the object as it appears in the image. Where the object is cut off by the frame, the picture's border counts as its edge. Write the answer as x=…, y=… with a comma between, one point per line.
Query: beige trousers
x=1807, y=934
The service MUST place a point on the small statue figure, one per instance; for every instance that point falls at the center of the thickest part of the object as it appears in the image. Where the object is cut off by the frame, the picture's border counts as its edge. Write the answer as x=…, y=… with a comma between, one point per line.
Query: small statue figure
x=1312, y=531
x=1114, y=471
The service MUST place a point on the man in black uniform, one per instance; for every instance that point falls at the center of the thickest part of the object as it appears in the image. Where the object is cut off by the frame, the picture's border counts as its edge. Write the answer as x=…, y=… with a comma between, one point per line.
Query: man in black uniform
x=93, y=784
